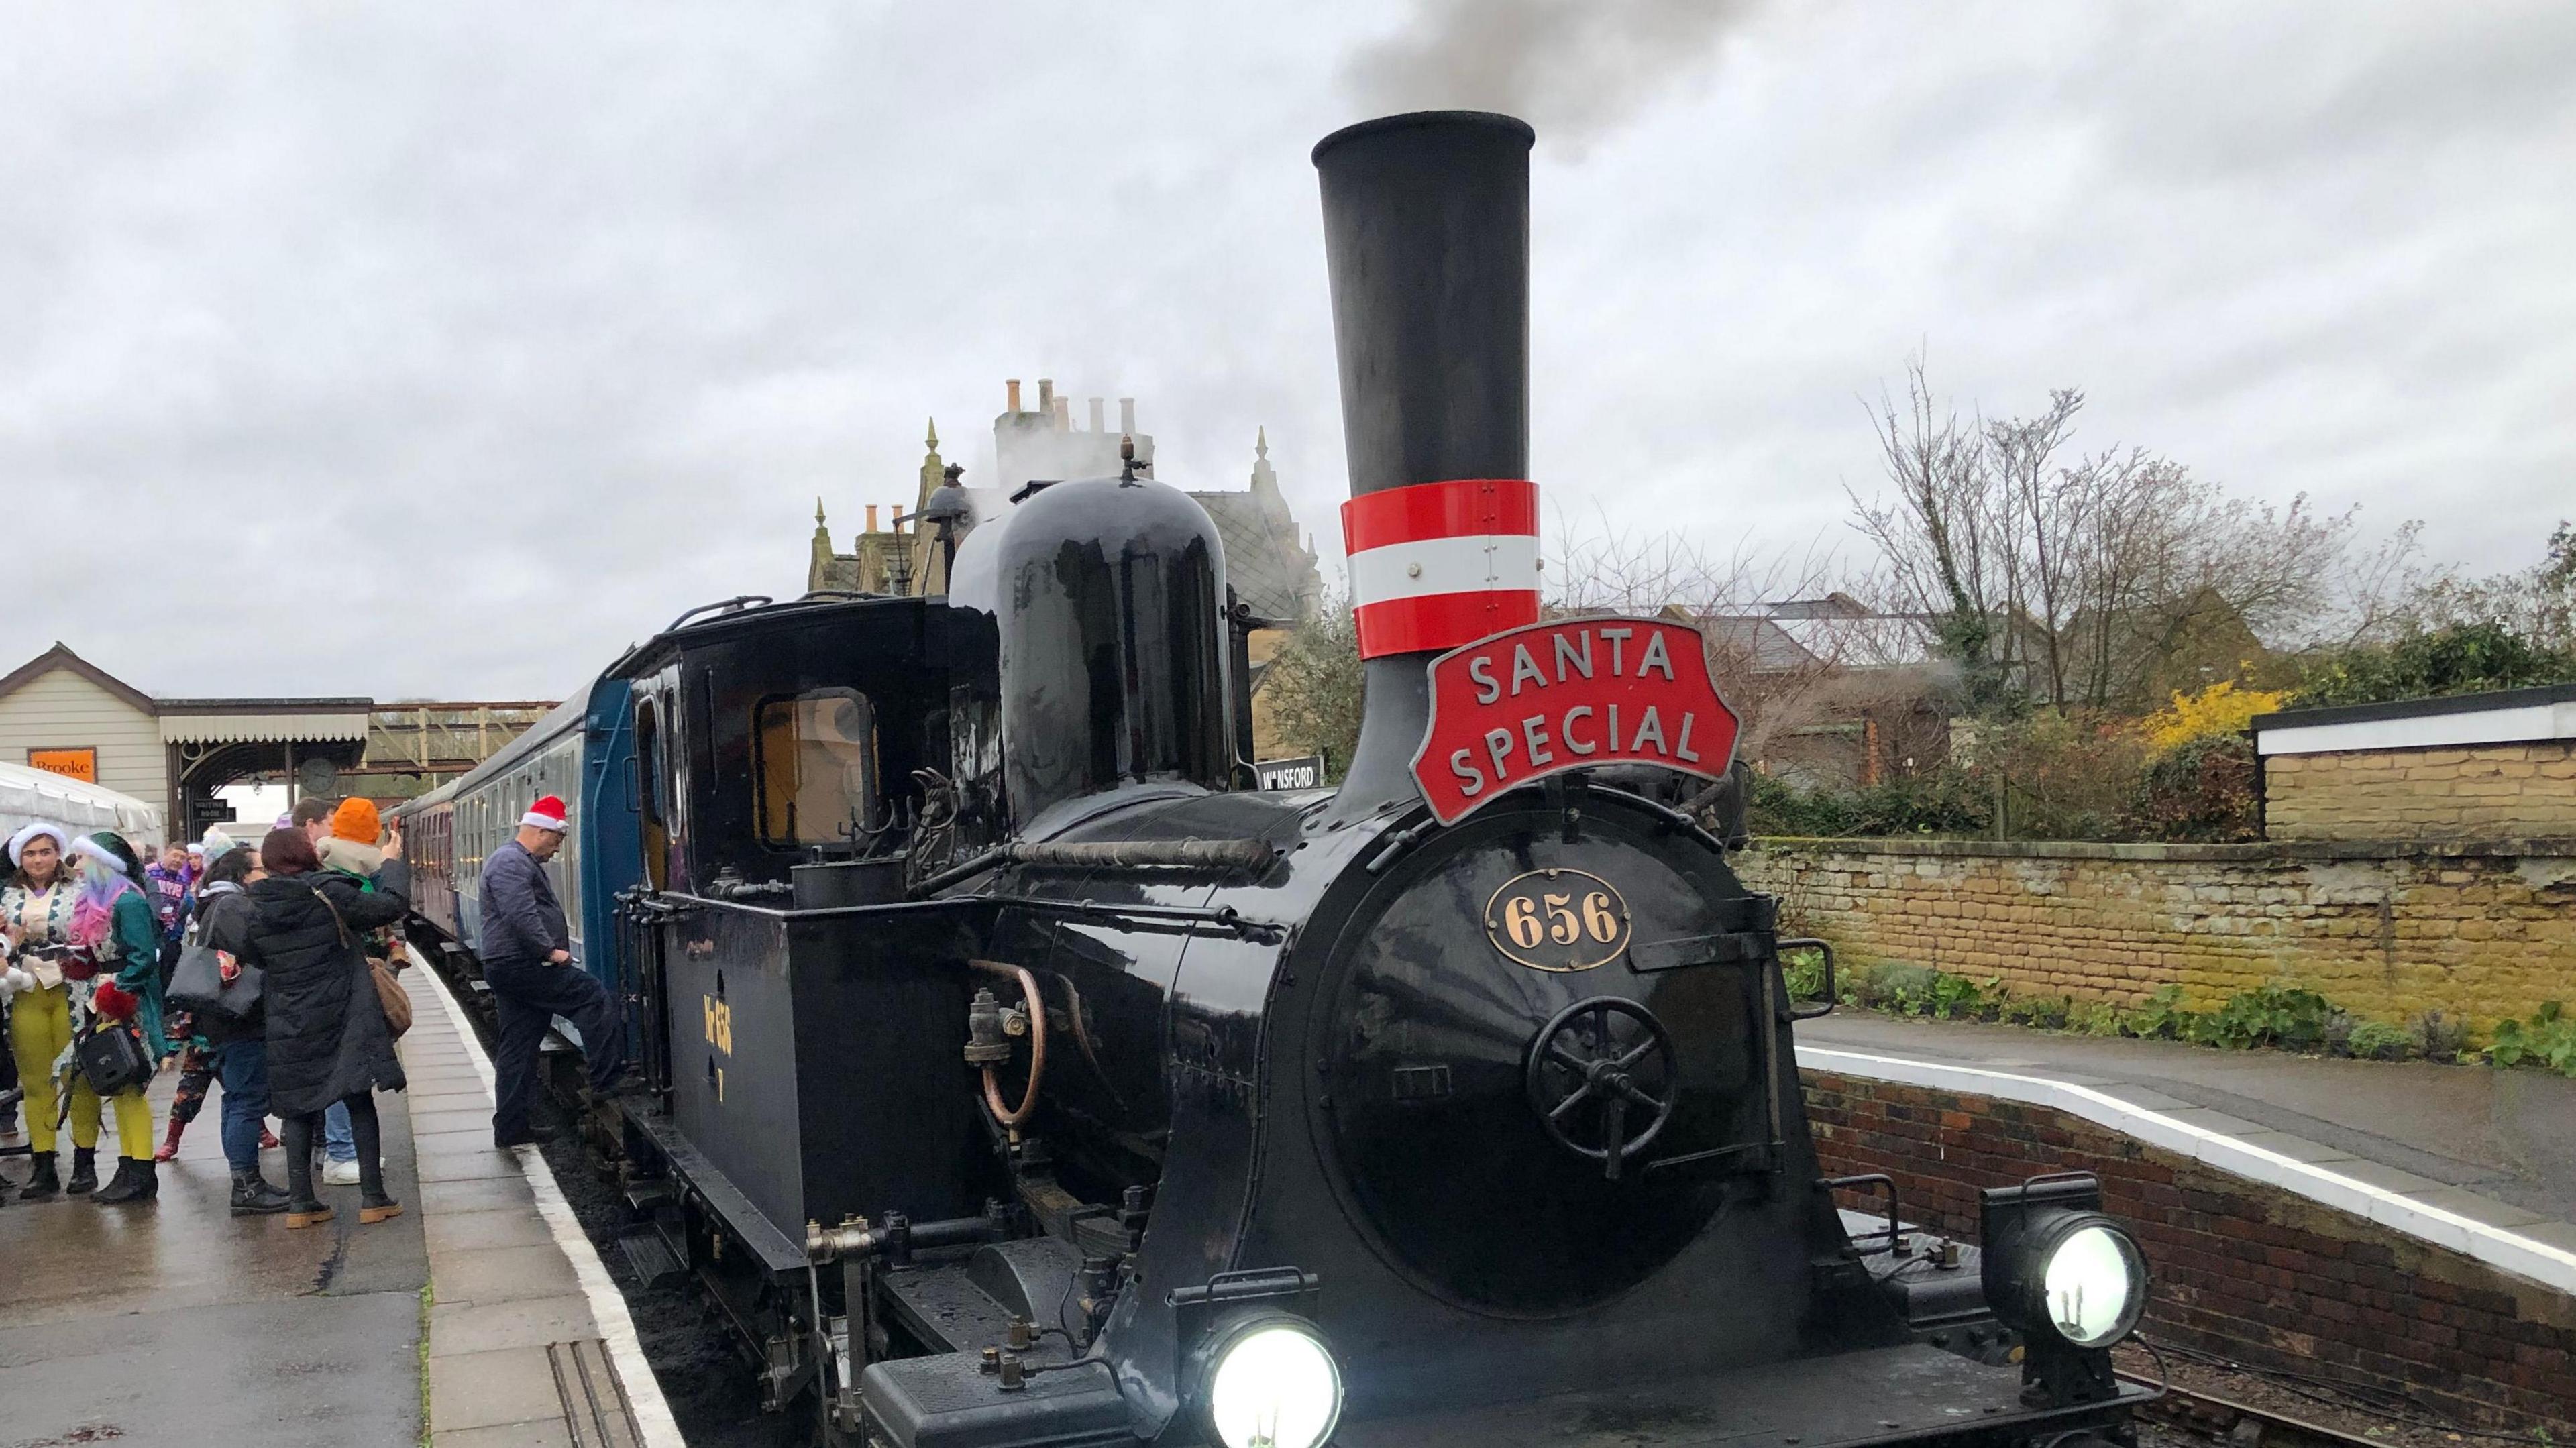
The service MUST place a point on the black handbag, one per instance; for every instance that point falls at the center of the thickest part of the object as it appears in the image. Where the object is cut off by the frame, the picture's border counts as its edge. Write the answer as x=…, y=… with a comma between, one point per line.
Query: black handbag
x=197, y=986
x=113, y=1059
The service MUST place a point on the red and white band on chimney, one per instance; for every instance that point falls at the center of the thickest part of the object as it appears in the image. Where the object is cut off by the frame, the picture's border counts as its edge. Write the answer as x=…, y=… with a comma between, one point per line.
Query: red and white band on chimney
x=1436, y=565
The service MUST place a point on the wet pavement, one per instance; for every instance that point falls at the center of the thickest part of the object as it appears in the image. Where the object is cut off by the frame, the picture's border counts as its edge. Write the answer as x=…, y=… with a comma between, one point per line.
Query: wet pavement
x=2467, y=1137
x=180, y=1323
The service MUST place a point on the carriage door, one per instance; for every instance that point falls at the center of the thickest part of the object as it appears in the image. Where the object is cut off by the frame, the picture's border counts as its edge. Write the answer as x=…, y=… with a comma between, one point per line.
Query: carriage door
x=652, y=787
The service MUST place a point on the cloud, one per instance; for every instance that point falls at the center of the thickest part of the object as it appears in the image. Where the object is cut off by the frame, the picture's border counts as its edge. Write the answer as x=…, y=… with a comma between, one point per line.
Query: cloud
x=446, y=351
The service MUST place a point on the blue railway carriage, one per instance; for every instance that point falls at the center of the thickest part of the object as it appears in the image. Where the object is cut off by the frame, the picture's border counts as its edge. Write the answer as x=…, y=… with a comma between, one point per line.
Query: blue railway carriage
x=574, y=752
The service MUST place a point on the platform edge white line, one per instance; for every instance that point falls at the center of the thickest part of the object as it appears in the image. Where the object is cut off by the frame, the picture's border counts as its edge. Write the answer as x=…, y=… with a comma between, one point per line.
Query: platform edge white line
x=2550, y=1266
x=607, y=1305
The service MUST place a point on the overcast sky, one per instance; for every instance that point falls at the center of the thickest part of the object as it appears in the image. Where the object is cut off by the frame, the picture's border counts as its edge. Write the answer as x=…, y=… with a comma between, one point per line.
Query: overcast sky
x=443, y=350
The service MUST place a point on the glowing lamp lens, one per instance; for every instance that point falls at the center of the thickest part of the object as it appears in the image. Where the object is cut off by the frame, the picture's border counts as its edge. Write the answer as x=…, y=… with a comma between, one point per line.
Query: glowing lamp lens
x=2092, y=1286
x=1274, y=1387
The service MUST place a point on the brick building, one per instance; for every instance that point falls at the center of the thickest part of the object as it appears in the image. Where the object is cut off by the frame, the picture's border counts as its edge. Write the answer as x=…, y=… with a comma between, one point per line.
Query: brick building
x=2473, y=767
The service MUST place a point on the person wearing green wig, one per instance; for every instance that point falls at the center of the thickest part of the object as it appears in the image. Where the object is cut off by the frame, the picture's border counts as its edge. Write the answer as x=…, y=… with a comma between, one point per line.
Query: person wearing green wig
x=114, y=923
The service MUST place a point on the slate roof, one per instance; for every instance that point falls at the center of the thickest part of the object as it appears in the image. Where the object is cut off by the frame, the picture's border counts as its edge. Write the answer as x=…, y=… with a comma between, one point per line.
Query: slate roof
x=1770, y=647
x=1271, y=572
x=841, y=575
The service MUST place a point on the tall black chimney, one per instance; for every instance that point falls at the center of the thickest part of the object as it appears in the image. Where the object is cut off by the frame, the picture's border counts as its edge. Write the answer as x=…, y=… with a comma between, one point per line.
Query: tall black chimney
x=1426, y=236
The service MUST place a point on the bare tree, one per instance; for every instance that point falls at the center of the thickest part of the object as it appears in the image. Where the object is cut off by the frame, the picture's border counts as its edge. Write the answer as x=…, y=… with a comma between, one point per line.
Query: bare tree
x=2538, y=603
x=2088, y=581
x=1776, y=674
x=1316, y=685
x=1942, y=540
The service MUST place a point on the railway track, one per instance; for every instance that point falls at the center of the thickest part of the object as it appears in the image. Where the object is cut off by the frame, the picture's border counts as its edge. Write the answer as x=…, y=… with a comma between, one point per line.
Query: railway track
x=2240, y=1425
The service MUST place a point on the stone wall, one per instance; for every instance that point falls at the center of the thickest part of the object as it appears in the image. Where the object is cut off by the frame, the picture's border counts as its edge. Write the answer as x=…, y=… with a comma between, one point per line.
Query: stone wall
x=2476, y=931
x=2485, y=790
x=2251, y=1272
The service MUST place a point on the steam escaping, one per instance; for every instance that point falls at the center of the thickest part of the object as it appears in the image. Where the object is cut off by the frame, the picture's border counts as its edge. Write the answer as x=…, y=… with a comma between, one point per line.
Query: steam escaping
x=1572, y=68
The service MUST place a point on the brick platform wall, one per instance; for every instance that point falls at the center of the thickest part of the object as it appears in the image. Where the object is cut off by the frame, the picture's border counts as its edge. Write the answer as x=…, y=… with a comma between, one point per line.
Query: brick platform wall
x=2247, y=1271
x=2476, y=931
x=2422, y=794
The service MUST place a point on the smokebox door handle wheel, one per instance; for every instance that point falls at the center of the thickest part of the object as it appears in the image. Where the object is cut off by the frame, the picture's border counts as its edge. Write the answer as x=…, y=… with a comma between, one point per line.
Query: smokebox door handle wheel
x=1578, y=1043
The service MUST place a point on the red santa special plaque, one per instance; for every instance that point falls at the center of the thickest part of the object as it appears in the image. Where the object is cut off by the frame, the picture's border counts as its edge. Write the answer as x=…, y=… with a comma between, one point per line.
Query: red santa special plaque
x=1576, y=694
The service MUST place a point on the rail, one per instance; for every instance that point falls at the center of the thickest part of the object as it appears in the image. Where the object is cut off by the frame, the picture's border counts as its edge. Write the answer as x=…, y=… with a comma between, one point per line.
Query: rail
x=2205, y=1413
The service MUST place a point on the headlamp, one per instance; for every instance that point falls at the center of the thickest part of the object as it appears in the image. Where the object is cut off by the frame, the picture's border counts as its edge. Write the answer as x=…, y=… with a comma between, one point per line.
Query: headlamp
x=2070, y=1280
x=2091, y=1289
x=1270, y=1382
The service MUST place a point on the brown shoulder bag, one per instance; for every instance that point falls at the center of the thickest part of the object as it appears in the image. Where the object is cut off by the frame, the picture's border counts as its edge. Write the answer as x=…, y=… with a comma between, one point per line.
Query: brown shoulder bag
x=389, y=991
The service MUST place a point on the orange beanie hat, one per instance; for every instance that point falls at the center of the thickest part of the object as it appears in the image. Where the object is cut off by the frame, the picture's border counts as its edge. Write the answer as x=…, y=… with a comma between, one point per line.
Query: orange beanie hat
x=355, y=819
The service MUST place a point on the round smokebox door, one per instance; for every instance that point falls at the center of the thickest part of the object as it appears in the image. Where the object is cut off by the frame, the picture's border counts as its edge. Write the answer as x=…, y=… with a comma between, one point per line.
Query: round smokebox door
x=1506, y=1091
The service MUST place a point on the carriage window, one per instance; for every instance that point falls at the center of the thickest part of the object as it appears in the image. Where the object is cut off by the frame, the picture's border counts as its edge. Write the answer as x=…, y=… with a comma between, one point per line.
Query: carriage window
x=816, y=757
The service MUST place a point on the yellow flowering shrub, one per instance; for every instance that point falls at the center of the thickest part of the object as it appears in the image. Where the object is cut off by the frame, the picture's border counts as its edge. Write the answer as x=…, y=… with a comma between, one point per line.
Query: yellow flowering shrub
x=2220, y=709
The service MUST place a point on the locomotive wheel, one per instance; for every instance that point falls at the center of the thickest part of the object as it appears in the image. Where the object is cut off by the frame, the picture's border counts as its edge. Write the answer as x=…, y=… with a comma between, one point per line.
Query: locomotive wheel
x=1578, y=1043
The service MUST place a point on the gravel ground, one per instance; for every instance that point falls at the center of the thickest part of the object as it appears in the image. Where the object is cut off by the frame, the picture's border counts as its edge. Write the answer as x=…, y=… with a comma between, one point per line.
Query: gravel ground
x=2398, y=1427
x=709, y=1388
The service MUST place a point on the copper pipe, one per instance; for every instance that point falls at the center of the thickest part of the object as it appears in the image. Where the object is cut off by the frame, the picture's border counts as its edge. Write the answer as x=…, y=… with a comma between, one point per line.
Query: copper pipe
x=1035, y=1001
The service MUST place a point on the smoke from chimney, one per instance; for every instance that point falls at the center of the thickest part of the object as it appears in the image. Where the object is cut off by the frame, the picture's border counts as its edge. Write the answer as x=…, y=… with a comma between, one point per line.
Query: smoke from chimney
x=1575, y=69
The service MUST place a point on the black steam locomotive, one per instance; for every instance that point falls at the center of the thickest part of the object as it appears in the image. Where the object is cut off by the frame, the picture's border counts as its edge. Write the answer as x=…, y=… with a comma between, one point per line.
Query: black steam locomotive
x=1018, y=1075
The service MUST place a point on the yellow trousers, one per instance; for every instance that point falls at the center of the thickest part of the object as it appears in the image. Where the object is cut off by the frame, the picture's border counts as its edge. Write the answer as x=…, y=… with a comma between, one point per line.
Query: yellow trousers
x=40, y=1027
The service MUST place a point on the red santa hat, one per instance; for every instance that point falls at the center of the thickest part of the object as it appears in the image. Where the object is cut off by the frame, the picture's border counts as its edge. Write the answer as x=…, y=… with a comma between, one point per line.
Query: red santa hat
x=546, y=814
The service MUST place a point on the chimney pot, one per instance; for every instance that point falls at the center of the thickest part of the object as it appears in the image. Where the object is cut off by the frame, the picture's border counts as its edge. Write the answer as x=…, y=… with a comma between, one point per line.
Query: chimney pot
x=1014, y=387
x=1127, y=416
x=1426, y=249
x=1046, y=394
x=1064, y=414
x=872, y=517
x=1095, y=415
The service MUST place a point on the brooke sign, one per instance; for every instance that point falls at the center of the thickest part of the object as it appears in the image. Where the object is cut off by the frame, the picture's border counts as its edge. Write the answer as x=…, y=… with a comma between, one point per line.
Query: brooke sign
x=1531, y=702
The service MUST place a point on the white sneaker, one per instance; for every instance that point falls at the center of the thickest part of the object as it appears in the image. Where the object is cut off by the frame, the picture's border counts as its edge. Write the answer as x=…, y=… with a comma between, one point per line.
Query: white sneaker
x=340, y=1174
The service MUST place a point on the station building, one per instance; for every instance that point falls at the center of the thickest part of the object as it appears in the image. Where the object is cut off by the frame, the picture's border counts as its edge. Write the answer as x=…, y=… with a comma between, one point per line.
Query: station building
x=63, y=714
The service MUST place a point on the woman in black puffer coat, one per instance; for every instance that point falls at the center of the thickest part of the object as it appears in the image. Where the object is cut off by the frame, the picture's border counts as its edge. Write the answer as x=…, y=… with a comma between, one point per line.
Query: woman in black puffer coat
x=327, y=1039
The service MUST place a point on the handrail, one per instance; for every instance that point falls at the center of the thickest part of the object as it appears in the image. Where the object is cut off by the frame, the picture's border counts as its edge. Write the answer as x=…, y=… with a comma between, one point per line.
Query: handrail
x=735, y=604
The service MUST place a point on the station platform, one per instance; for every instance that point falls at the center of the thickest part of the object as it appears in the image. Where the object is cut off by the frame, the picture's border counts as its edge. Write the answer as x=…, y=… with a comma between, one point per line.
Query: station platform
x=2476, y=1159
x=480, y=1318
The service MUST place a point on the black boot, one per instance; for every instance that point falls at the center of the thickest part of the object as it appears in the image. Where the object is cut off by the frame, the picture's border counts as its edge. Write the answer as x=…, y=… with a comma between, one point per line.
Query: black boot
x=302, y=1209
x=115, y=1183
x=375, y=1204
x=84, y=1171
x=46, y=1180
x=138, y=1179
x=253, y=1196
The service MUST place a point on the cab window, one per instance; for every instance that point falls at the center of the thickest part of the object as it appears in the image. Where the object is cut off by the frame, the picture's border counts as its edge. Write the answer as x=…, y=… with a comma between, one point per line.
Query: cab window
x=816, y=759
